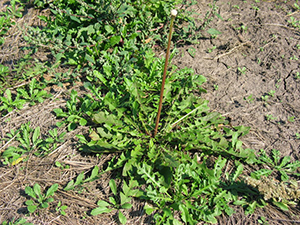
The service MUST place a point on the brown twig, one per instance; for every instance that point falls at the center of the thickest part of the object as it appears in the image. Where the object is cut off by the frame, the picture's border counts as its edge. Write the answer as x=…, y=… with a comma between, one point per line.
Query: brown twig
x=173, y=15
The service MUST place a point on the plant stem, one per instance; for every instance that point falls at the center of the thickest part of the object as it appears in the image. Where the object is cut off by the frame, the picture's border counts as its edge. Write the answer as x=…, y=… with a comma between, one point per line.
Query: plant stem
x=173, y=15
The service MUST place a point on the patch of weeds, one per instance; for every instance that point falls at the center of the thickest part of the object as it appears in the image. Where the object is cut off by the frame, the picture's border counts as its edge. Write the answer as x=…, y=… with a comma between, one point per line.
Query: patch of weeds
x=51, y=142
x=118, y=202
x=76, y=108
x=13, y=10
x=276, y=163
x=40, y=200
x=29, y=140
x=81, y=179
x=20, y=221
x=9, y=103
x=34, y=93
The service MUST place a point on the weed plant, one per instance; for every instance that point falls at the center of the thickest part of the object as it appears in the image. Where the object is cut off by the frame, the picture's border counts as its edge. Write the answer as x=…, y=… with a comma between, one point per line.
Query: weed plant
x=178, y=171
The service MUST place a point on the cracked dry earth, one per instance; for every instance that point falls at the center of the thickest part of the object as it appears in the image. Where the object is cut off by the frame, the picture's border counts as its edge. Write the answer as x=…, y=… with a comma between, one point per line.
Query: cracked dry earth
x=246, y=65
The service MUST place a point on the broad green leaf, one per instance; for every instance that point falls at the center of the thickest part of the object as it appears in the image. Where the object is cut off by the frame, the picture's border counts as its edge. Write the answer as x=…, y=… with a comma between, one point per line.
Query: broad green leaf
x=102, y=203
x=82, y=122
x=94, y=174
x=281, y=205
x=79, y=179
x=126, y=206
x=112, y=200
x=285, y=161
x=114, y=40
x=90, y=58
x=45, y=205
x=213, y=31
x=31, y=208
x=51, y=190
x=29, y=202
x=149, y=209
x=113, y=186
x=30, y=192
x=75, y=19
x=124, y=198
x=100, y=210
x=238, y=172
x=122, y=218
x=69, y=186
x=36, y=135
x=259, y=173
x=37, y=189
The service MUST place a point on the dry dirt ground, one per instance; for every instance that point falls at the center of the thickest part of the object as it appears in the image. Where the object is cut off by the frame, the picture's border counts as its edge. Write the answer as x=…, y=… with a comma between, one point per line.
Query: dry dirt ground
x=255, y=55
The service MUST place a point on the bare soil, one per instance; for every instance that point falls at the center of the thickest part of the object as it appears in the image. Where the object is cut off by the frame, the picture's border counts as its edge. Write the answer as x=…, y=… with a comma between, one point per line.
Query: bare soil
x=267, y=47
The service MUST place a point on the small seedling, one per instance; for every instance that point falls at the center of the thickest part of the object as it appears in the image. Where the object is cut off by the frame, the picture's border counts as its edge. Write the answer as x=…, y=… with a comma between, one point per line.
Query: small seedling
x=262, y=220
x=255, y=7
x=62, y=166
x=243, y=28
x=271, y=93
x=258, y=60
x=297, y=75
x=297, y=135
x=61, y=208
x=216, y=87
x=242, y=70
x=115, y=202
x=192, y=51
x=291, y=119
x=294, y=58
x=277, y=84
x=249, y=99
x=40, y=200
x=211, y=49
x=270, y=117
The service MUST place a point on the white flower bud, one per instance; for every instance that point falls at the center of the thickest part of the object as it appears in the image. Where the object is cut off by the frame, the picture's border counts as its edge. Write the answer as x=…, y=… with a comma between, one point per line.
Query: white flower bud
x=173, y=12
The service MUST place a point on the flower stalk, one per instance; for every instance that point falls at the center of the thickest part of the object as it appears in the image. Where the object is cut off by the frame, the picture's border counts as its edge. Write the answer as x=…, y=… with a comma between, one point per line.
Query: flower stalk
x=173, y=15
